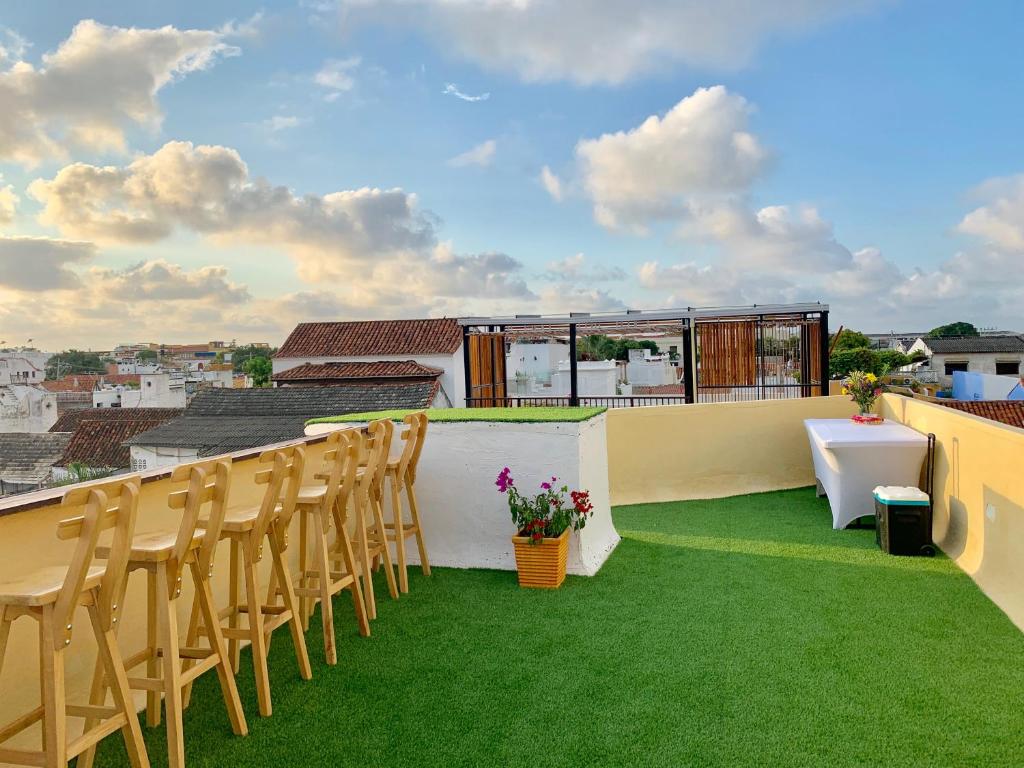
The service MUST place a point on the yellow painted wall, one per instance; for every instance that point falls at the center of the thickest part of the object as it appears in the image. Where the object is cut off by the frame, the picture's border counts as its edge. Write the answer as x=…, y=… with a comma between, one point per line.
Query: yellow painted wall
x=979, y=495
x=675, y=452
x=28, y=541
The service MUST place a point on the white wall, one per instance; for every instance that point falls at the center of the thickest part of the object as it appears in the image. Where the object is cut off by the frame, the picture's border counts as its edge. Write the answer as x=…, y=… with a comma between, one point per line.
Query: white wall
x=536, y=359
x=156, y=390
x=152, y=457
x=453, y=380
x=651, y=371
x=466, y=521
x=19, y=369
x=594, y=378
x=27, y=409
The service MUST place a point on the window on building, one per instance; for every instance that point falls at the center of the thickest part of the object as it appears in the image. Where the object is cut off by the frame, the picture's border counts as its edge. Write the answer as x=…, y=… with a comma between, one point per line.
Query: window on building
x=1008, y=368
x=951, y=367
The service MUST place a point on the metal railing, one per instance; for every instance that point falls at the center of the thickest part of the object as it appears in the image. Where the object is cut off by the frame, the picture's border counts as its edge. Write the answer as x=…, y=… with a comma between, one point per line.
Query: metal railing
x=616, y=401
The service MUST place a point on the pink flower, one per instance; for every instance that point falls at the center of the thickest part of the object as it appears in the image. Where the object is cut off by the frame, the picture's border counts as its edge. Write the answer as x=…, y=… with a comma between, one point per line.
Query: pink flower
x=546, y=486
x=504, y=481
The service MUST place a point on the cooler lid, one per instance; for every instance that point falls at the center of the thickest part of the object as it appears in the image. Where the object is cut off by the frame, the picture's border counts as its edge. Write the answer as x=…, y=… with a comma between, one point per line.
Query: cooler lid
x=898, y=494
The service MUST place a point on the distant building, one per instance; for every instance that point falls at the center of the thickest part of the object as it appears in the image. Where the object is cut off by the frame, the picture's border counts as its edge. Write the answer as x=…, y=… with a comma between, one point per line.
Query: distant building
x=224, y=420
x=1000, y=355
x=154, y=390
x=27, y=460
x=98, y=435
x=26, y=408
x=432, y=343
x=1004, y=411
x=22, y=367
x=75, y=391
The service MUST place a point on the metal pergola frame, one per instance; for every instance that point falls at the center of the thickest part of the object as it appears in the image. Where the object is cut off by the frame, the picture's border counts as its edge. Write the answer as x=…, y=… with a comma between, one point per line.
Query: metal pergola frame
x=635, y=321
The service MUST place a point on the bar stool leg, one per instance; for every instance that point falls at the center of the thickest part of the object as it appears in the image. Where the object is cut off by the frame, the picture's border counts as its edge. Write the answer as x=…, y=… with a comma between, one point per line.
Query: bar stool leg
x=118, y=681
x=228, y=688
x=414, y=512
x=167, y=623
x=192, y=635
x=291, y=605
x=152, y=662
x=389, y=569
x=396, y=519
x=348, y=558
x=305, y=602
x=54, y=703
x=235, y=602
x=257, y=635
x=323, y=568
x=364, y=562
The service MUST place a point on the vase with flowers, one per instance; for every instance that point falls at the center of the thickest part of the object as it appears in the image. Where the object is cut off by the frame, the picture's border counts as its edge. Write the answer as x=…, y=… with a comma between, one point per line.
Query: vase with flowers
x=543, y=521
x=864, y=389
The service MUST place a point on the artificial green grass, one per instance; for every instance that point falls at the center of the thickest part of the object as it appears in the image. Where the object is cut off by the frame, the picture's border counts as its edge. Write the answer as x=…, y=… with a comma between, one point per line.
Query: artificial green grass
x=528, y=415
x=733, y=632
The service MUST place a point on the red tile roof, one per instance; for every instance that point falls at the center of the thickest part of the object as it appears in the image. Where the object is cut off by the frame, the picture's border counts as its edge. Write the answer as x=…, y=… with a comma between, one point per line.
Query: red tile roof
x=87, y=382
x=373, y=337
x=71, y=419
x=98, y=444
x=659, y=389
x=378, y=369
x=1005, y=411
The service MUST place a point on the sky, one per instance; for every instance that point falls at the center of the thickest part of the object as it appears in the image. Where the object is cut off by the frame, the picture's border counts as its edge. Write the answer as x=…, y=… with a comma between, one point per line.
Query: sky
x=223, y=170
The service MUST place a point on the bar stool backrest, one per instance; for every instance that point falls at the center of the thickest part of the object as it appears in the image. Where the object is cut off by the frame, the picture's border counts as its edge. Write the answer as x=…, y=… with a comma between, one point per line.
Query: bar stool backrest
x=96, y=508
x=206, y=483
x=374, y=456
x=283, y=480
x=413, y=434
x=385, y=431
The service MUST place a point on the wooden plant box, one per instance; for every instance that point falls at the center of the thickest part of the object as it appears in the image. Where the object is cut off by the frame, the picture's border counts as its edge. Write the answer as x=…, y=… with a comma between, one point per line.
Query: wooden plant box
x=541, y=566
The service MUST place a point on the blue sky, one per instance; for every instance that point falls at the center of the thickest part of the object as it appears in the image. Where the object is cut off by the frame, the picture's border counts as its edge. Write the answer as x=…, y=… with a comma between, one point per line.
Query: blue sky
x=869, y=158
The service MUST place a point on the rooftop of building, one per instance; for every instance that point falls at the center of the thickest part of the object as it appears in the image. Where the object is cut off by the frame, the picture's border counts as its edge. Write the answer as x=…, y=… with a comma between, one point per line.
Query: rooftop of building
x=366, y=338
x=377, y=369
x=947, y=345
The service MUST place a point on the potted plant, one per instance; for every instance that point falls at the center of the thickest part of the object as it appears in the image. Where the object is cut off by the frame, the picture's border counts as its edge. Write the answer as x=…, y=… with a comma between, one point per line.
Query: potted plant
x=543, y=522
x=863, y=389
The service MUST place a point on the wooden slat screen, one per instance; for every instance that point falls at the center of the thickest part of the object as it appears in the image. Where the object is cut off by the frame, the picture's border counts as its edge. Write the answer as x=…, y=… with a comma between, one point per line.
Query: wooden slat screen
x=487, y=369
x=814, y=351
x=727, y=353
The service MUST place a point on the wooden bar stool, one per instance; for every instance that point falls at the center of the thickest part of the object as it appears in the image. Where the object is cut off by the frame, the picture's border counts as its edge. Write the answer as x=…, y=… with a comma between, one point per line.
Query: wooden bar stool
x=247, y=529
x=50, y=596
x=370, y=538
x=402, y=474
x=317, y=506
x=171, y=667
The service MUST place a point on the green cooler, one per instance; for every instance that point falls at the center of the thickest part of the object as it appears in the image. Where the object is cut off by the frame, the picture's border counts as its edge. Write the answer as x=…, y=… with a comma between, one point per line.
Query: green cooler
x=903, y=520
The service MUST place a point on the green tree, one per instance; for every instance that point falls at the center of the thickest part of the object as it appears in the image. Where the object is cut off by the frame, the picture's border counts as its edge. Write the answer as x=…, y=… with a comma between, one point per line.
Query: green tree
x=876, y=361
x=146, y=356
x=243, y=354
x=850, y=339
x=260, y=369
x=959, y=328
x=601, y=347
x=74, y=361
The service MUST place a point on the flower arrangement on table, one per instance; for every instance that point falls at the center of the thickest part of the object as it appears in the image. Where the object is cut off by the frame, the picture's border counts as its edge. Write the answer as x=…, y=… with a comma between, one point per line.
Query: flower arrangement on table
x=543, y=521
x=864, y=389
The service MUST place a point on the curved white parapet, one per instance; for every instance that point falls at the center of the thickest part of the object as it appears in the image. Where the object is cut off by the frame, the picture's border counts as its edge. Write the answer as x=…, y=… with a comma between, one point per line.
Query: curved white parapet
x=466, y=520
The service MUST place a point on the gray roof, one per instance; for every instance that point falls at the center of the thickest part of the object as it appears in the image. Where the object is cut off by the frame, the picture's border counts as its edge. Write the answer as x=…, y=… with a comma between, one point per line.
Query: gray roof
x=225, y=420
x=951, y=345
x=26, y=458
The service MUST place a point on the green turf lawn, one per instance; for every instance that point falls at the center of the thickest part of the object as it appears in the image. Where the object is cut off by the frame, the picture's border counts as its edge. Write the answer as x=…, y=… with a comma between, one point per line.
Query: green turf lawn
x=527, y=415
x=735, y=632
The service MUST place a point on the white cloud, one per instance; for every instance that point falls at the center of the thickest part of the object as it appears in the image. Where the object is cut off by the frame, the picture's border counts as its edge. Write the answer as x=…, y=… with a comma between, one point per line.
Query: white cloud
x=8, y=203
x=451, y=89
x=97, y=82
x=1000, y=221
x=700, y=149
x=552, y=183
x=40, y=263
x=159, y=280
x=575, y=269
x=337, y=76
x=12, y=45
x=279, y=123
x=481, y=155
x=600, y=41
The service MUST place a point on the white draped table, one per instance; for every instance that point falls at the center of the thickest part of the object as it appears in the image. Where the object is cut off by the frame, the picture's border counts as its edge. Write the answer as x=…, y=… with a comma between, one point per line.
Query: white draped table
x=850, y=459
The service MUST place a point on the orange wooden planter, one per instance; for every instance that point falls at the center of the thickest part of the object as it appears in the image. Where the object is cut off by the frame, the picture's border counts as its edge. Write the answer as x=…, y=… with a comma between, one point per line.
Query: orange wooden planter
x=541, y=565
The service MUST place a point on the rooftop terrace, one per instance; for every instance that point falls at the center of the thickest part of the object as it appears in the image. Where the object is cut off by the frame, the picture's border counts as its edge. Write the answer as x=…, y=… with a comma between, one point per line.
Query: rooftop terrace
x=729, y=626
x=731, y=632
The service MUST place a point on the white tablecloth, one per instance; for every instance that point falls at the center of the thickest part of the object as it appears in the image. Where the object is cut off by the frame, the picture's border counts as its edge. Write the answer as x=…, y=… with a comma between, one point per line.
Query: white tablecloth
x=850, y=459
